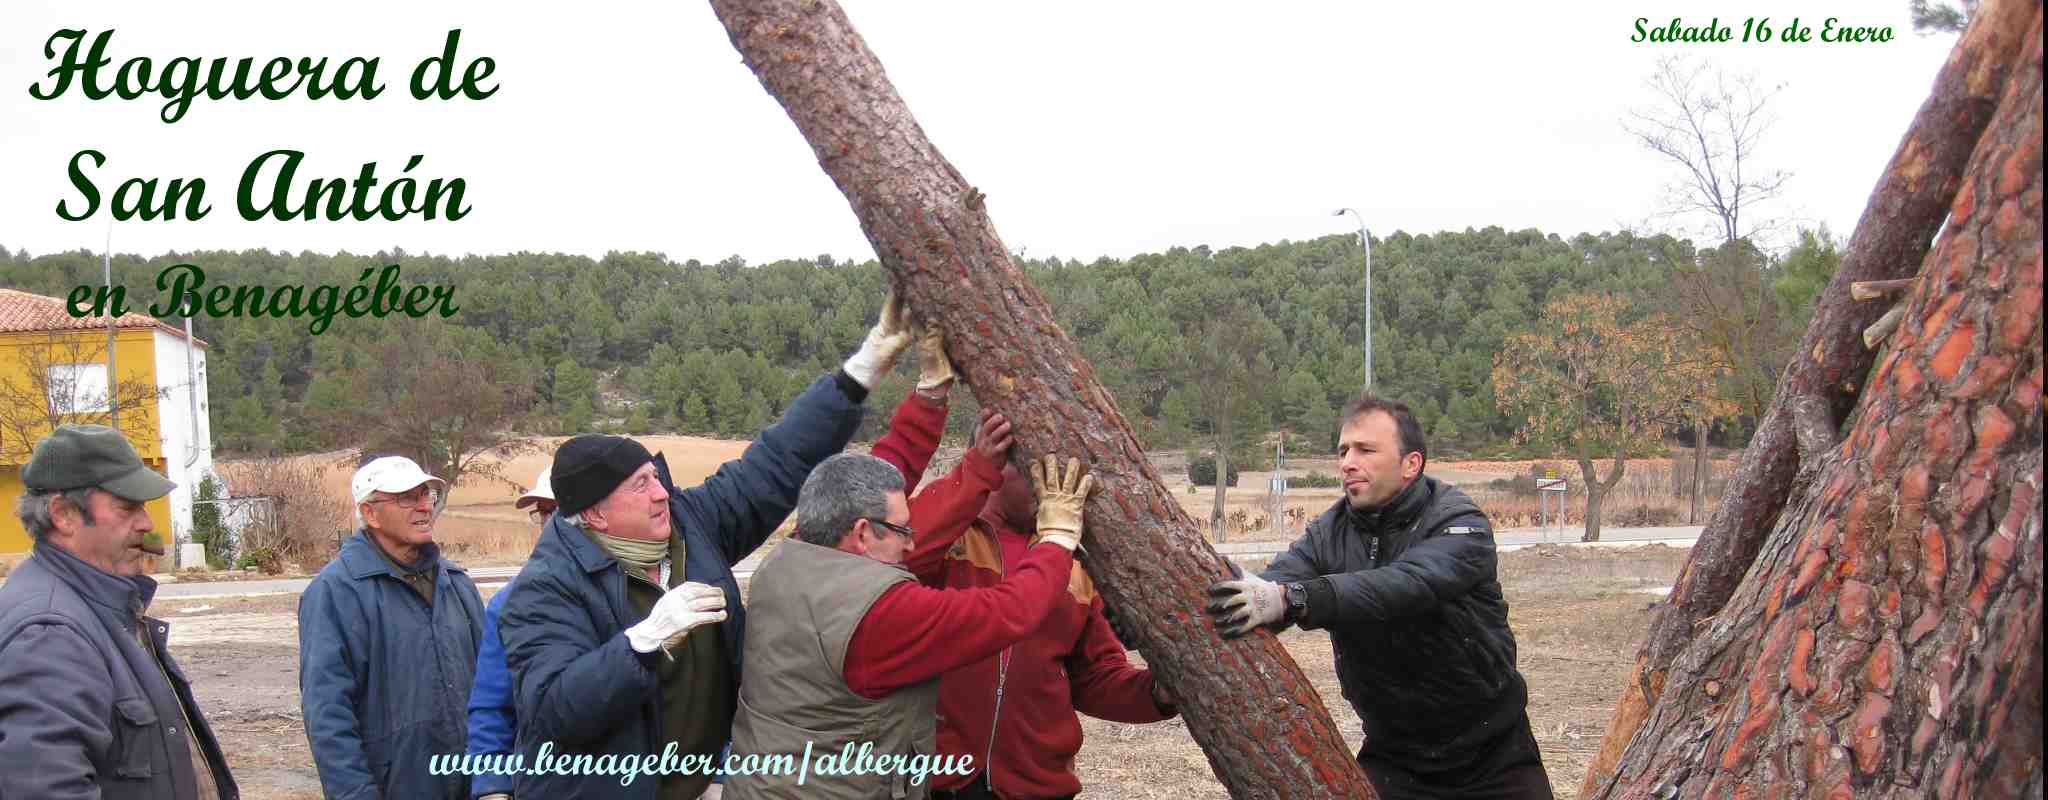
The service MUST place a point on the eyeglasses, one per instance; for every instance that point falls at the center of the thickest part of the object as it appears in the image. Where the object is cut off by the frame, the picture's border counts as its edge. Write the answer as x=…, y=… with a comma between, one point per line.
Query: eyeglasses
x=904, y=530
x=423, y=494
x=537, y=515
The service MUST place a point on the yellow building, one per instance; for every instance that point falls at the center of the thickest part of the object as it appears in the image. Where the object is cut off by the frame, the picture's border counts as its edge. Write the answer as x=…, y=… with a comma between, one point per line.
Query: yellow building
x=53, y=370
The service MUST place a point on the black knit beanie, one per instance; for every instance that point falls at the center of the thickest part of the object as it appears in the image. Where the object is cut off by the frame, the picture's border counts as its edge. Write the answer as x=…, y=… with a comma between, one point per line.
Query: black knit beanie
x=588, y=467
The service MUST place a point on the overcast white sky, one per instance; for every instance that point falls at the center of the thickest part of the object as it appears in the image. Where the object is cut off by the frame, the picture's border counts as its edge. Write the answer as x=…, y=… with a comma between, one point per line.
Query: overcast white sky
x=1095, y=128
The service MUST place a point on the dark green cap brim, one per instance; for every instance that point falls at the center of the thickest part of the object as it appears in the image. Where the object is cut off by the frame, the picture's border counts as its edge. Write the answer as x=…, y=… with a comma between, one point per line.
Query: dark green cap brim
x=142, y=485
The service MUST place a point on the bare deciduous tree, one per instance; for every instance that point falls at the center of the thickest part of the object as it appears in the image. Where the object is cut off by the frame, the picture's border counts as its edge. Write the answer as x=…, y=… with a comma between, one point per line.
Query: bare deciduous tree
x=60, y=377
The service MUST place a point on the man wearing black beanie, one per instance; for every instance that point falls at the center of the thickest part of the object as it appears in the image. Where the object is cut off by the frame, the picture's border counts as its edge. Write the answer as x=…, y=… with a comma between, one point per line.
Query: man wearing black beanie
x=623, y=633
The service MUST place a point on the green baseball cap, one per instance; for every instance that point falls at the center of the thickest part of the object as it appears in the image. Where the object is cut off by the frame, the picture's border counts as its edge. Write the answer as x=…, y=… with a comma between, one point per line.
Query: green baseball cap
x=96, y=456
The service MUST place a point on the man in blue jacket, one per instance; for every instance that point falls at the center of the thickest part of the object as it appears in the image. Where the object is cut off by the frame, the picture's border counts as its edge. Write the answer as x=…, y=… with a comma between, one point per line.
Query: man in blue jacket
x=388, y=634
x=91, y=703
x=492, y=716
x=623, y=632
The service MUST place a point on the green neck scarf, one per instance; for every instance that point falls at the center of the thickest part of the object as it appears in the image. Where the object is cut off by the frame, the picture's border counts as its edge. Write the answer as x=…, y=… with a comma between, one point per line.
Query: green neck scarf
x=640, y=553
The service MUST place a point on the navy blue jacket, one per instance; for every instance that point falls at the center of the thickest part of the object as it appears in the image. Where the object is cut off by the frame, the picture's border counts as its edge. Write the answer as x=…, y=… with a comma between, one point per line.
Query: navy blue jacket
x=383, y=678
x=492, y=716
x=580, y=686
x=84, y=711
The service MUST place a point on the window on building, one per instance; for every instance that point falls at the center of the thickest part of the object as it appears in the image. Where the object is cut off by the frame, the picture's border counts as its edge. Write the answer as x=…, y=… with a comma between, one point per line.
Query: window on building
x=78, y=388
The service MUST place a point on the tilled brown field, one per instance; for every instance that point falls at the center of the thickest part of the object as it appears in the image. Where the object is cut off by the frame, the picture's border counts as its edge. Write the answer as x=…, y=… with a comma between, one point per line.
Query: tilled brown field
x=1578, y=614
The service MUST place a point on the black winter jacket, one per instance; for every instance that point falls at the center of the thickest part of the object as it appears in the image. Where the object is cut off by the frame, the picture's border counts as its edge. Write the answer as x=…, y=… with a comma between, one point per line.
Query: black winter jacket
x=1418, y=622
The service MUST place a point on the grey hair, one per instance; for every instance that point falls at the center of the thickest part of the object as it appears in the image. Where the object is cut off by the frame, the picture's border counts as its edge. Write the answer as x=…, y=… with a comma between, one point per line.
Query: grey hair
x=842, y=490
x=34, y=509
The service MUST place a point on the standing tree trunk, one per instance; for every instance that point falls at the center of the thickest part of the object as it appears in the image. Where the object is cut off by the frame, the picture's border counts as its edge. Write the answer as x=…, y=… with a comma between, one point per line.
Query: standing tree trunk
x=1594, y=497
x=1259, y=720
x=1886, y=643
x=1699, y=468
x=1223, y=434
x=1596, y=492
x=1824, y=379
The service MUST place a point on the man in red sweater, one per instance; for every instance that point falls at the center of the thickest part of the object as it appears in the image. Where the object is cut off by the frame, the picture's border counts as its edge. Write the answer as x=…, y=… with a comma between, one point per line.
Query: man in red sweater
x=1014, y=711
x=845, y=648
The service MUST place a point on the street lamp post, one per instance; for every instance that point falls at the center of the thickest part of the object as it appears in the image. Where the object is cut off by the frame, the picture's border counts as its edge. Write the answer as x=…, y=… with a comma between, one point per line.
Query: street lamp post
x=1365, y=241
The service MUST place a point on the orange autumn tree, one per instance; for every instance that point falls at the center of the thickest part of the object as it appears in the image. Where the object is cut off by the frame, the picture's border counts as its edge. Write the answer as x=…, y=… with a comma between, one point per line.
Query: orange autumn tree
x=1592, y=383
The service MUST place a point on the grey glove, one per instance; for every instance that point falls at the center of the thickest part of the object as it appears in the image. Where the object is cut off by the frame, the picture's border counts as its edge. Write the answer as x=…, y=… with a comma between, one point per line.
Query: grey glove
x=1238, y=606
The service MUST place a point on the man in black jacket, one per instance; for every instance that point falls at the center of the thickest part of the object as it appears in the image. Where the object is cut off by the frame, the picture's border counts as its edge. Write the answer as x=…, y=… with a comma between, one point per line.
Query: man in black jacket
x=1401, y=572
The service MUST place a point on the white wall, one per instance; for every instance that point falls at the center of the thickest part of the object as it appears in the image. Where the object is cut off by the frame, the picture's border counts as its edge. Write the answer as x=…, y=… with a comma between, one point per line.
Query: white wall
x=175, y=427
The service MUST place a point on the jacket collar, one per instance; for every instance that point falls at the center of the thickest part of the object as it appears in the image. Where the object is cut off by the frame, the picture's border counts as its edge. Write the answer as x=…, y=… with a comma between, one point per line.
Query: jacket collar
x=126, y=595
x=360, y=558
x=582, y=549
x=1398, y=512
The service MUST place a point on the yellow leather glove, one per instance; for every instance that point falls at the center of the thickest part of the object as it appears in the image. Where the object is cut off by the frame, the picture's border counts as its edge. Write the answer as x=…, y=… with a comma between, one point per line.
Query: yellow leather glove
x=1060, y=498
x=888, y=339
x=934, y=371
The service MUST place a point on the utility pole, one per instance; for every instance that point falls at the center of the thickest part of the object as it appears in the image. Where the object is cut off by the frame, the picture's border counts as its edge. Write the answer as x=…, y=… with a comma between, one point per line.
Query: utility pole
x=1365, y=241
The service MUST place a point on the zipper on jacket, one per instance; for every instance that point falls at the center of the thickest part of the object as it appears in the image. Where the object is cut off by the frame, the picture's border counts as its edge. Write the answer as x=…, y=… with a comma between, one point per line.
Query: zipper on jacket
x=1002, y=675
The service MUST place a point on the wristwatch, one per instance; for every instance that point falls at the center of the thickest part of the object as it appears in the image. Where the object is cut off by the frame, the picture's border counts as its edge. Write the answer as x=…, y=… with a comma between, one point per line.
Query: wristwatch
x=1297, y=601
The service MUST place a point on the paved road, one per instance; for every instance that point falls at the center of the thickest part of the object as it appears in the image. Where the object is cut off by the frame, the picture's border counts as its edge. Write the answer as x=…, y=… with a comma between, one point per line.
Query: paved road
x=1511, y=539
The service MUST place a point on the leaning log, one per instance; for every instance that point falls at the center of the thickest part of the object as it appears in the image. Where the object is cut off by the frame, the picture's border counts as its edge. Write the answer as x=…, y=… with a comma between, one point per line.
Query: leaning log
x=1262, y=724
x=1825, y=378
x=1886, y=640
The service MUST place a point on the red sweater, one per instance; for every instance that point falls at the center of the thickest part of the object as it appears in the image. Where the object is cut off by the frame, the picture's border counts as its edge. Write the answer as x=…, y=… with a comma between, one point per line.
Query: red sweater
x=1015, y=712
x=979, y=581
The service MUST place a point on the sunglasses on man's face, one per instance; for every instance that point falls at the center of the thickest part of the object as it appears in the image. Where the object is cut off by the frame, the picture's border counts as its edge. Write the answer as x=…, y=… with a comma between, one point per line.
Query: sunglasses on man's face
x=904, y=530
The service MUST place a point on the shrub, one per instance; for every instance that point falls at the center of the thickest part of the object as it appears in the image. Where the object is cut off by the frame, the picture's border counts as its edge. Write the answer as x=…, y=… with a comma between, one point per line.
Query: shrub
x=1646, y=516
x=1316, y=480
x=1202, y=472
x=304, y=516
x=207, y=527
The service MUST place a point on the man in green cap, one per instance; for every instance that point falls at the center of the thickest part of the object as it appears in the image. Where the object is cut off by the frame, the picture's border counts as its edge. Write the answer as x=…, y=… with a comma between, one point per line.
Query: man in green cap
x=91, y=704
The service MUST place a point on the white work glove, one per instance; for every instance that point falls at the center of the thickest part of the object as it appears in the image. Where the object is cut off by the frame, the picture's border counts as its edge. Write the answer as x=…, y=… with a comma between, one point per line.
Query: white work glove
x=1249, y=602
x=934, y=371
x=679, y=611
x=1060, y=498
x=887, y=340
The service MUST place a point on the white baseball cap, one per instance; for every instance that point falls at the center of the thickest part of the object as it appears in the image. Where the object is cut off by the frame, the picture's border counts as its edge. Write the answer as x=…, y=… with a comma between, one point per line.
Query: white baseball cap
x=391, y=475
x=540, y=491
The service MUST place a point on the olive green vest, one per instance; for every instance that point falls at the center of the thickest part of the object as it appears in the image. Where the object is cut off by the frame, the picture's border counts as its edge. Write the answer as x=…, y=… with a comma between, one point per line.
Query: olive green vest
x=805, y=602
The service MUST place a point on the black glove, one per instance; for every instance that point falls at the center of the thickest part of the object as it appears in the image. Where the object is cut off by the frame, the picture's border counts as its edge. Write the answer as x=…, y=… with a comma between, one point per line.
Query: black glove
x=1125, y=632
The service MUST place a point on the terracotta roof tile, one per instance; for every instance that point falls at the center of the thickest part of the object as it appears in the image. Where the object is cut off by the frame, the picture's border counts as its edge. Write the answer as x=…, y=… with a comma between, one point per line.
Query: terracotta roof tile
x=24, y=312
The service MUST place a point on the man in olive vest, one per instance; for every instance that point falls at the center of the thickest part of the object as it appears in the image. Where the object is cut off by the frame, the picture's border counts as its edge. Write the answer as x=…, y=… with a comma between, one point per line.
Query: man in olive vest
x=844, y=648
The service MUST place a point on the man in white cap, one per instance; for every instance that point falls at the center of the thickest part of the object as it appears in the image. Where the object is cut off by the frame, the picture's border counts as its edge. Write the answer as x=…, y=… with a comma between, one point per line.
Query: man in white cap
x=388, y=635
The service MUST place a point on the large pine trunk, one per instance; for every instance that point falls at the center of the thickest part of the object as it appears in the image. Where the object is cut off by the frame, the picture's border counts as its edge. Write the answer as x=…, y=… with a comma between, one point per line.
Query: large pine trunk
x=1262, y=724
x=1825, y=378
x=1886, y=641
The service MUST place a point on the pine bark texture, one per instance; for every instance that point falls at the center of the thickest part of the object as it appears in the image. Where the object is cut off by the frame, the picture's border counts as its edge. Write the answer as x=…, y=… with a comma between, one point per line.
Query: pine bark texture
x=1825, y=378
x=1886, y=641
x=1261, y=722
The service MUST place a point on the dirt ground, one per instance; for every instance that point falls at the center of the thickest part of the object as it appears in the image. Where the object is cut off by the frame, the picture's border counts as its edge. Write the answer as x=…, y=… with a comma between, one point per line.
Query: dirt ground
x=1577, y=613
